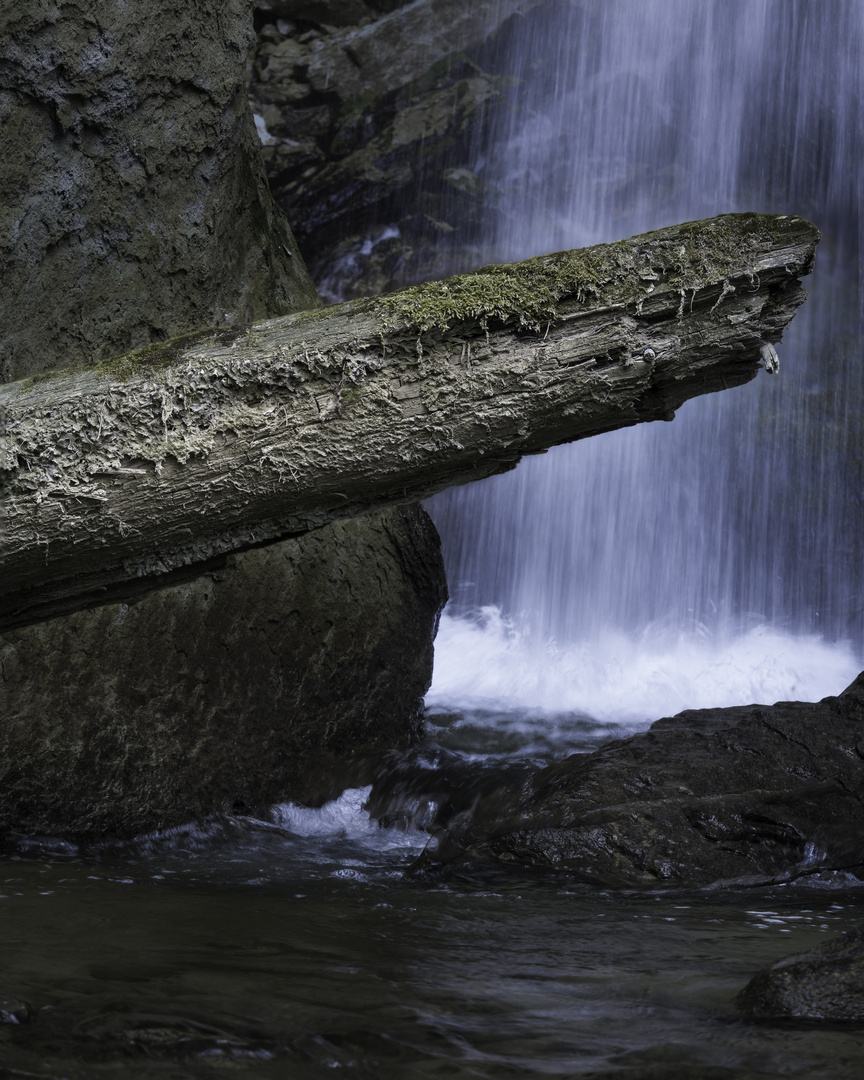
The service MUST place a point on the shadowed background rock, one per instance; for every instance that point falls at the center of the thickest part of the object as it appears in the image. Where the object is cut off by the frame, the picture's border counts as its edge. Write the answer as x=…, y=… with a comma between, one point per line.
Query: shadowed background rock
x=371, y=115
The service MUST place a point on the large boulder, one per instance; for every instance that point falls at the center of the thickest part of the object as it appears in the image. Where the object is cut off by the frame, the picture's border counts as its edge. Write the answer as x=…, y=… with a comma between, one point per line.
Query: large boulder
x=280, y=673
x=748, y=795
x=133, y=200
x=134, y=207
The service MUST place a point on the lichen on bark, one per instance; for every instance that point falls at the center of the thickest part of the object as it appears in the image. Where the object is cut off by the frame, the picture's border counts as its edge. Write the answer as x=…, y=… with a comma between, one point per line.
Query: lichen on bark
x=130, y=471
x=529, y=292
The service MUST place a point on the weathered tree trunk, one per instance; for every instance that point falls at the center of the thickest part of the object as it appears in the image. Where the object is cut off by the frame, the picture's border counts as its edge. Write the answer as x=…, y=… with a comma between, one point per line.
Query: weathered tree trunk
x=163, y=459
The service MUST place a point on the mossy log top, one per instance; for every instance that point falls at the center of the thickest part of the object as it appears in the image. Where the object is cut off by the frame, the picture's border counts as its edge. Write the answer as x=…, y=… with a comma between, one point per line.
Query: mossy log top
x=155, y=462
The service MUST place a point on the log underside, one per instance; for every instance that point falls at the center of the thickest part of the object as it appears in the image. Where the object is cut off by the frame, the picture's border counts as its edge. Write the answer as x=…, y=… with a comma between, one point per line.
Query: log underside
x=123, y=476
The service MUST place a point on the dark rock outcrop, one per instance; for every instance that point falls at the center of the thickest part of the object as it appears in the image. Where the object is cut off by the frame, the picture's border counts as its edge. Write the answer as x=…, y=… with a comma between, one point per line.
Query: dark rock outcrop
x=370, y=115
x=748, y=795
x=270, y=677
x=825, y=983
x=133, y=199
x=134, y=207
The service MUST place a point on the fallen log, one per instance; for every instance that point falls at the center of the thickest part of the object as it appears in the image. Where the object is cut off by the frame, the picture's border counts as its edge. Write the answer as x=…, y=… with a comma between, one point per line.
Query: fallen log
x=122, y=476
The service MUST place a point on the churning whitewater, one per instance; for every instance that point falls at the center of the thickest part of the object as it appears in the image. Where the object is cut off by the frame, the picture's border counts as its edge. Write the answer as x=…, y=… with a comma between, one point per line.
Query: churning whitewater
x=488, y=662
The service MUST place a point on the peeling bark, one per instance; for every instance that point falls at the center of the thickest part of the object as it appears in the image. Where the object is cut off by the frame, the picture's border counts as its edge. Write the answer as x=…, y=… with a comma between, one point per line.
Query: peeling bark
x=155, y=463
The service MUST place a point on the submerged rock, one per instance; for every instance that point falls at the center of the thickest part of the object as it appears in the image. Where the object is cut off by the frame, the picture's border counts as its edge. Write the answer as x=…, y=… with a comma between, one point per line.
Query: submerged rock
x=826, y=983
x=14, y=1011
x=264, y=679
x=748, y=795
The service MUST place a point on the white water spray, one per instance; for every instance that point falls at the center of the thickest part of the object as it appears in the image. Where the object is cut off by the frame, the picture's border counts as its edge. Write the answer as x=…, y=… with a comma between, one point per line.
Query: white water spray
x=489, y=663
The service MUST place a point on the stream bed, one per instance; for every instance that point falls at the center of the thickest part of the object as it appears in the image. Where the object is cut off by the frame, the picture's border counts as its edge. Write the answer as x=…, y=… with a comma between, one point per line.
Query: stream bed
x=302, y=944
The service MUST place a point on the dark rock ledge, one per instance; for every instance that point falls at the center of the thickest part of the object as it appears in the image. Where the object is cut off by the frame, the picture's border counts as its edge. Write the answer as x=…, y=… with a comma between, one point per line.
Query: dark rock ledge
x=741, y=796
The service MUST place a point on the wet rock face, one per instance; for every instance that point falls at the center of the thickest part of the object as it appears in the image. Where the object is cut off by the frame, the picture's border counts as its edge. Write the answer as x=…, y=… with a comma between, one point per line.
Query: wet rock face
x=741, y=795
x=269, y=678
x=370, y=123
x=133, y=200
x=826, y=983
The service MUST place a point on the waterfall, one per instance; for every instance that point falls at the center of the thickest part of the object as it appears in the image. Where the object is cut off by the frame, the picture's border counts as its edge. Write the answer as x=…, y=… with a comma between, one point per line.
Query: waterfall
x=744, y=516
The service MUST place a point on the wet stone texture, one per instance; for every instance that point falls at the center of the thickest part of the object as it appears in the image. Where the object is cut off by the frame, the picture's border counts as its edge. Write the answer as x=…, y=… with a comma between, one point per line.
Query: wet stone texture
x=271, y=677
x=370, y=114
x=745, y=796
x=826, y=983
x=133, y=199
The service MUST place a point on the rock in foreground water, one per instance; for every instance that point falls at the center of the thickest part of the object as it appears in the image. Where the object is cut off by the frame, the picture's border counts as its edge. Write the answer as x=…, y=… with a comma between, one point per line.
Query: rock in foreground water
x=745, y=795
x=826, y=983
x=14, y=1011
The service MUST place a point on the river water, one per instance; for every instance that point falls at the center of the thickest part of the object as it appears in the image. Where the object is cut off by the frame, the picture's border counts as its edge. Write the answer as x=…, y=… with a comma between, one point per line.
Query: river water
x=707, y=562
x=301, y=945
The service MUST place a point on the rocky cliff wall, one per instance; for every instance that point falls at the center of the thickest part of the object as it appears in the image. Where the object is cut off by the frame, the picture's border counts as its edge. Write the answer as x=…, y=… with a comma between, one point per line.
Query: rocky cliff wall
x=133, y=201
x=133, y=207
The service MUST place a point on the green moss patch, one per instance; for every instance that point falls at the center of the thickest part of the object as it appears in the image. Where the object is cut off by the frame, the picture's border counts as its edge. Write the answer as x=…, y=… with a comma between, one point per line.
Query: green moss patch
x=162, y=354
x=529, y=293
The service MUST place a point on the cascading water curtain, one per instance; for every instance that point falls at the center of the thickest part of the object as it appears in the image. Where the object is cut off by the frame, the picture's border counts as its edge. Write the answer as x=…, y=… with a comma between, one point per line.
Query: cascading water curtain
x=746, y=512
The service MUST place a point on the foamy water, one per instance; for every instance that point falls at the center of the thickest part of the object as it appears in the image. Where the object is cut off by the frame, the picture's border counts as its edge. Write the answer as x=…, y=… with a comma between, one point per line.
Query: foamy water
x=345, y=818
x=488, y=661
